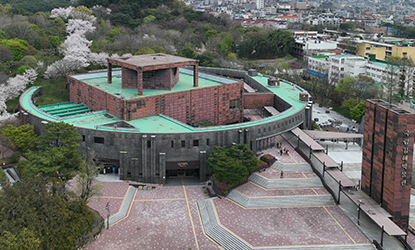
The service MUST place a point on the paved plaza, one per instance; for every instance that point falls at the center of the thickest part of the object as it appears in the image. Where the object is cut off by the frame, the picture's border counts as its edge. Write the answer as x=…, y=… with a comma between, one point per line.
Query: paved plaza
x=168, y=217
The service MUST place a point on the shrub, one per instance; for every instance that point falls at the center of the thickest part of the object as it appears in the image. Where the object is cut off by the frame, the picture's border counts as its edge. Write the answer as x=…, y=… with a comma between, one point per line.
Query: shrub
x=15, y=157
x=269, y=159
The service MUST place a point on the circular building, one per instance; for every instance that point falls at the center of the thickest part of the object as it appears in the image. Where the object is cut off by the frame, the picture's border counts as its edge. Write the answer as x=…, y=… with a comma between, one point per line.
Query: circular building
x=144, y=120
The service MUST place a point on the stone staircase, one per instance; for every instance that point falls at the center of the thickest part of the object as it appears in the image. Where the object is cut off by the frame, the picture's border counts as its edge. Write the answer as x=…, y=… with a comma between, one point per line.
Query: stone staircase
x=281, y=201
x=229, y=241
x=298, y=167
x=285, y=183
x=222, y=236
x=124, y=208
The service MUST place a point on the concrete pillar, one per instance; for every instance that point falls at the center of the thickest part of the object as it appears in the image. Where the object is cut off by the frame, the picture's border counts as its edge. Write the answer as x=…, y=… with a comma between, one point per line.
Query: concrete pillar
x=203, y=166
x=146, y=174
x=109, y=73
x=195, y=75
x=123, y=163
x=153, y=164
x=241, y=136
x=162, y=163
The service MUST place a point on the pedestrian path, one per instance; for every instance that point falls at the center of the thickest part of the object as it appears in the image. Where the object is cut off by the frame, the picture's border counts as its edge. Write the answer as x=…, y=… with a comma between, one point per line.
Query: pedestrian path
x=279, y=206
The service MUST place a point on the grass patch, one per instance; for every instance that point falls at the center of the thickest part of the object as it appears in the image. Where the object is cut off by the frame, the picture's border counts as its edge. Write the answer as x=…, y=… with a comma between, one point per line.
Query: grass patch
x=343, y=112
x=288, y=57
x=54, y=91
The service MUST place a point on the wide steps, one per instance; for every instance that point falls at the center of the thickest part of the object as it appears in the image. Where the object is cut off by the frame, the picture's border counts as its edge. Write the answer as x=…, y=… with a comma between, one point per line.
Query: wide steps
x=294, y=183
x=285, y=183
x=281, y=201
x=323, y=247
x=216, y=232
x=298, y=167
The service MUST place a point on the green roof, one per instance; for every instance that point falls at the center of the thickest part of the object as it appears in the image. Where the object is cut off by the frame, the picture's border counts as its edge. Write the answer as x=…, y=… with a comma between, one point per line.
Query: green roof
x=103, y=120
x=99, y=80
x=320, y=57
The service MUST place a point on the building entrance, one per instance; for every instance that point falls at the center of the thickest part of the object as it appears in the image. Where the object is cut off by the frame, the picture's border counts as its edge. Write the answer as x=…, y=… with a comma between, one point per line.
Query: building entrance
x=182, y=173
x=182, y=169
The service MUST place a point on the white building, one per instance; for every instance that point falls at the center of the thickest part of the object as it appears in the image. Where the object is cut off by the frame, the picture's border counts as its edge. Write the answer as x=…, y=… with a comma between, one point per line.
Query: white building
x=260, y=4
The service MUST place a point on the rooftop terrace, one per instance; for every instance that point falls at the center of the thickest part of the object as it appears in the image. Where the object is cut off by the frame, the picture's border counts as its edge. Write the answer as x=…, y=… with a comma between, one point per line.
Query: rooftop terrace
x=102, y=120
x=99, y=80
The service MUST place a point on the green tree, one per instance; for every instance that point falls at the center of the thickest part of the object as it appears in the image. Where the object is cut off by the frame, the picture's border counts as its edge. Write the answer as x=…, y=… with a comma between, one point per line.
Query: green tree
x=349, y=104
x=20, y=138
x=87, y=187
x=149, y=19
x=226, y=45
x=358, y=111
x=57, y=153
x=144, y=51
x=22, y=69
x=232, y=164
x=276, y=44
x=210, y=33
x=41, y=209
x=24, y=240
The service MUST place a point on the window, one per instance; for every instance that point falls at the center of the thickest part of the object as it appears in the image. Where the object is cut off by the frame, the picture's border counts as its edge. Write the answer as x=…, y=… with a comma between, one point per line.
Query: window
x=183, y=143
x=172, y=144
x=148, y=144
x=207, y=142
x=404, y=53
x=99, y=140
x=195, y=143
x=83, y=137
x=234, y=104
x=367, y=48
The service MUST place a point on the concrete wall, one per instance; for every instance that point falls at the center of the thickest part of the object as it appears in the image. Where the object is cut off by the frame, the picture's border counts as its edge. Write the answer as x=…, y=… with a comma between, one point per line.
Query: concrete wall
x=145, y=161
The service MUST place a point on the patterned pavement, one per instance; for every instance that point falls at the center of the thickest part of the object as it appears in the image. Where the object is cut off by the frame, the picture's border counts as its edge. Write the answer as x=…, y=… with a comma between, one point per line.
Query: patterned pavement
x=164, y=218
x=168, y=217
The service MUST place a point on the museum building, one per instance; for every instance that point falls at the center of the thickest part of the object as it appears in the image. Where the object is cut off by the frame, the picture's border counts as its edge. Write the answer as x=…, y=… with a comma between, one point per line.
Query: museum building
x=143, y=116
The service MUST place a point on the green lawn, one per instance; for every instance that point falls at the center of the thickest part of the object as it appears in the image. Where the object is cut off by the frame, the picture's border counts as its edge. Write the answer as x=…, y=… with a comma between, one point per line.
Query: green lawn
x=54, y=91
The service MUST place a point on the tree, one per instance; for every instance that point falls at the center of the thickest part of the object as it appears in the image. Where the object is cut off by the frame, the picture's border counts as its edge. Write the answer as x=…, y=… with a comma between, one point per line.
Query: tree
x=233, y=164
x=25, y=239
x=358, y=111
x=87, y=187
x=57, y=153
x=5, y=53
x=276, y=44
x=40, y=211
x=20, y=138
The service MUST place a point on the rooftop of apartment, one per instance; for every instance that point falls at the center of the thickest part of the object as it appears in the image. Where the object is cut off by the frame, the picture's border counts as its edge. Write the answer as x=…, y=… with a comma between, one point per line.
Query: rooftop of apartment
x=79, y=116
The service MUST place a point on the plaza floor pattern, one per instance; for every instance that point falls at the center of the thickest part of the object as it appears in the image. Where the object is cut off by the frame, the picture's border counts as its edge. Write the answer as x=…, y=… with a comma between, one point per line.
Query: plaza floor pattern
x=167, y=217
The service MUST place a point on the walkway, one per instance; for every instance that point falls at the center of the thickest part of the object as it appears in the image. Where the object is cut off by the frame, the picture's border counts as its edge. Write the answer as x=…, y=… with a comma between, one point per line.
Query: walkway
x=273, y=212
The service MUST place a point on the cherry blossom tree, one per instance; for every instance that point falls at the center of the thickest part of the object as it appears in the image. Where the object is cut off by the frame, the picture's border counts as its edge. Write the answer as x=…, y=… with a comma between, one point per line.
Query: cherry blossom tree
x=13, y=87
x=75, y=49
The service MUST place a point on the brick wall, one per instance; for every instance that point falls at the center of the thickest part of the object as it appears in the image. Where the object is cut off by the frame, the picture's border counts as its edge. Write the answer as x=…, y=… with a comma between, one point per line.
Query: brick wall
x=191, y=106
x=160, y=79
x=387, y=158
x=254, y=100
x=129, y=79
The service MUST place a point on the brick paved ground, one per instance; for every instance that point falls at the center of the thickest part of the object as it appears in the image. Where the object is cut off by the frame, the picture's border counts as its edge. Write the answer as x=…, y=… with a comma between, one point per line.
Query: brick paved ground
x=160, y=219
x=157, y=219
x=289, y=226
x=291, y=157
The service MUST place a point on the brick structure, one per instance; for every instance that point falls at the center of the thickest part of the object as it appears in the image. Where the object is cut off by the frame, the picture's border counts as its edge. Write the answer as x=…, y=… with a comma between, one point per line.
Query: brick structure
x=152, y=71
x=161, y=72
x=387, y=158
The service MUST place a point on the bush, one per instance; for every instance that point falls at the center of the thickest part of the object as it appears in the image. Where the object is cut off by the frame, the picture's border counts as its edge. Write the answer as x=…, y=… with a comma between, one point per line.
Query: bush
x=225, y=187
x=269, y=159
x=15, y=157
